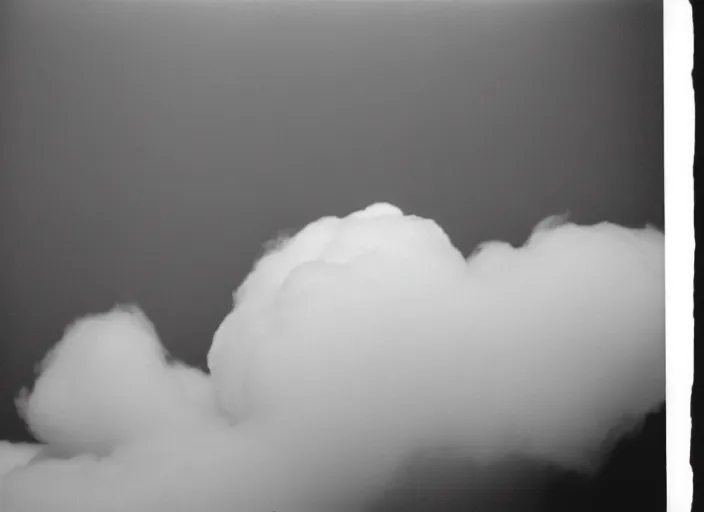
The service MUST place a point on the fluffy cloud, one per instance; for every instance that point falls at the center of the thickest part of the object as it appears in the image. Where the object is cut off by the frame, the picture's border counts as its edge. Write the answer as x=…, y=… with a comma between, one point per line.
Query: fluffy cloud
x=351, y=345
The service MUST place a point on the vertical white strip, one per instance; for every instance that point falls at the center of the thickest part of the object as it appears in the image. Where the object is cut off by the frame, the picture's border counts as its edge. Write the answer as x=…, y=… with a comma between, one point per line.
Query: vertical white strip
x=679, y=246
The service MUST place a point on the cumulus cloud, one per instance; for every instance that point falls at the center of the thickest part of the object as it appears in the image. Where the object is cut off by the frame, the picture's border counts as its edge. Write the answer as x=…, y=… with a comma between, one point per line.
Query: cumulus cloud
x=107, y=382
x=351, y=345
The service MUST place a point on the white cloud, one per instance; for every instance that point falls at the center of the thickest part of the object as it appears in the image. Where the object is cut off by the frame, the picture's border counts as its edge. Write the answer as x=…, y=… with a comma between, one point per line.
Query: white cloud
x=351, y=345
x=107, y=382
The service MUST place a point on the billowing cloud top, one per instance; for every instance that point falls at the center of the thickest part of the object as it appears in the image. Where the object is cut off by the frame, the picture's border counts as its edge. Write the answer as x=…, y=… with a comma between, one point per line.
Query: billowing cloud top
x=351, y=345
x=107, y=382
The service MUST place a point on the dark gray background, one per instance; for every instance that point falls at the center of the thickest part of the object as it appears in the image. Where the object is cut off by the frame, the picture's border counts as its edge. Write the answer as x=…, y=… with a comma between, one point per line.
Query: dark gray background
x=148, y=150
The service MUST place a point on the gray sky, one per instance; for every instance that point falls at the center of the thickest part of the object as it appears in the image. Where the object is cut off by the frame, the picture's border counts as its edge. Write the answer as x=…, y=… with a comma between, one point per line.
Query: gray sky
x=148, y=151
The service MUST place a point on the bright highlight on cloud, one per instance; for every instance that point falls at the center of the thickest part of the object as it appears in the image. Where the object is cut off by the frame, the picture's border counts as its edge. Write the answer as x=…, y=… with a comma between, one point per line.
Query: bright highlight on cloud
x=352, y=345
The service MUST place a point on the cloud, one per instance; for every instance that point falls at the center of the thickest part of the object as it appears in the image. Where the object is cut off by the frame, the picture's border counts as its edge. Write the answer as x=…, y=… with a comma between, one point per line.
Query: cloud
x=352, y=345
x=15, y=455
x=107, y=382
